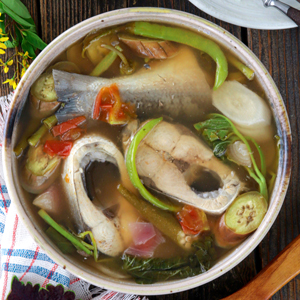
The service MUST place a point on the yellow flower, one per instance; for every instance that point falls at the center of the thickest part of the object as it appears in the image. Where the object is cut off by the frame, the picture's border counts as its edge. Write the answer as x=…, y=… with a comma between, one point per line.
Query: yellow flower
x=9, y=63
x=1, y=62
x=0, y=16
x=6, y=69
x=11, y=82
x=4, y=39
x=23, y=72
x=2, y=52
x=3, y=46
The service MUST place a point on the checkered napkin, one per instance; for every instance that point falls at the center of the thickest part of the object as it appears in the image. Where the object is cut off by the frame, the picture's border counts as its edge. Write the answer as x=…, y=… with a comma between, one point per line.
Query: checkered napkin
x=22, y=257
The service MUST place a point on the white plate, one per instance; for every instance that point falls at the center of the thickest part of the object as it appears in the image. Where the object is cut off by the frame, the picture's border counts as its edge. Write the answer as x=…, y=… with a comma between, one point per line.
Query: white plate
x=248, y=13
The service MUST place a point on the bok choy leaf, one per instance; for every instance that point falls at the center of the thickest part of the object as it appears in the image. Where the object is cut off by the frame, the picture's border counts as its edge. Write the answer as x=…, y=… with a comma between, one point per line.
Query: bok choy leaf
x=220, y=132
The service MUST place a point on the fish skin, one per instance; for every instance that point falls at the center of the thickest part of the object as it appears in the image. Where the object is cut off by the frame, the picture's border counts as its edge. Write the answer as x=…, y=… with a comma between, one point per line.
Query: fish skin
x=171, y=151
x=176, y=86
x=106, y=231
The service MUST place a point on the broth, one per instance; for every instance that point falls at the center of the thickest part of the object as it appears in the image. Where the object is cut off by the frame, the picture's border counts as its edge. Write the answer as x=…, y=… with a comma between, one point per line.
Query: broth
x=101, y=174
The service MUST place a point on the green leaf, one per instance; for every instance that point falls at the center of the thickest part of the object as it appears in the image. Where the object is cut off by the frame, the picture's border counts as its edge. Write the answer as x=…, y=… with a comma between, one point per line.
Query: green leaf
x=220, y=148
x=18, y=34
x=26, y=46
x=62, y=243
x=35, y=40
x=18, y=7
x=2, y=24
x=15, y=17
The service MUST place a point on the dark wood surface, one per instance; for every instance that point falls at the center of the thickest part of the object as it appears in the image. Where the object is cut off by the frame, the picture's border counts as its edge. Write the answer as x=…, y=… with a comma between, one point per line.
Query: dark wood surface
x=279, y=52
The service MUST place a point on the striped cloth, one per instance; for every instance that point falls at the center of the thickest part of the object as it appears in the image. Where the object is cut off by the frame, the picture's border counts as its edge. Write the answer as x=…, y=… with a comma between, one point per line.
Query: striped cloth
x=22, y=257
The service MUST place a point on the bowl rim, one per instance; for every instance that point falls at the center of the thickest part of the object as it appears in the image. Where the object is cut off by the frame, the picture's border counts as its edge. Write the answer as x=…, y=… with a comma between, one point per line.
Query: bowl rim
x=195, y=23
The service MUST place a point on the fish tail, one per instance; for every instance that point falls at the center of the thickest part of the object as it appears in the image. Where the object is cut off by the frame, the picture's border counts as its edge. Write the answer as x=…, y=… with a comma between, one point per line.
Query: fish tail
x=77, y=92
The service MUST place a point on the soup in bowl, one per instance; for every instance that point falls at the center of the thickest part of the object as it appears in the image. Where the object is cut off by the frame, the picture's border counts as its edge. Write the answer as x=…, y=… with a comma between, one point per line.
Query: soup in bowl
x=141, y=150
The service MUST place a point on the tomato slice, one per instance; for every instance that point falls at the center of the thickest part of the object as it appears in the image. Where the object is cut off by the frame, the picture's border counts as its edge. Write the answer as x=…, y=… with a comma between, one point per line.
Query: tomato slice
x=192, y=220
x=68, y=125
x=108, y=107
x=72, y=134
x=104, y=94
x=61, y=148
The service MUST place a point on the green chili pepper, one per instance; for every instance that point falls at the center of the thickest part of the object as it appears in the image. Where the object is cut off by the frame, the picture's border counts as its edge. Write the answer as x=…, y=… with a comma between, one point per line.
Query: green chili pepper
x=186, y=37
x=131, y=166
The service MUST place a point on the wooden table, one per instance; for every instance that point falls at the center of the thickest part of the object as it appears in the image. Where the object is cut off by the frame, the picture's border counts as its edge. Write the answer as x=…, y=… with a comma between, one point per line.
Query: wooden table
x=279, y=52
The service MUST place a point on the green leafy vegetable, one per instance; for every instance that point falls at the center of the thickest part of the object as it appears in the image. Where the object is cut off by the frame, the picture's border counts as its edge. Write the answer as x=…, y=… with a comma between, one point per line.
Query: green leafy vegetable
x=73, y=239
x=77, y=240
x=27, y=291
x=220, y=132
x=147, y=271
x=62, y=243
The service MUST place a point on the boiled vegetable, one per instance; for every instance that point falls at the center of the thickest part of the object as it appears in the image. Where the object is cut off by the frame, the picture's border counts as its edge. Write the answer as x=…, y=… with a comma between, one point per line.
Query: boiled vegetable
x=242, y=217
x=50, y=121
x=36, y=137
x=49, y=200
x=220, y=132
x=95, y=51
x=23, y=143
x=68, y=125
x=156, y=49
x=109, y=107
x=66, y=66
x=104, y=64
x=192, y=220
x=65, y=246
x=186, y=37
x=249, y=73
x=147, y=271
x=131, y=166
x=243, y=107
x=43, y=88
x=72, y=134
x=40, y=163
x=39, y=170
x=74, y=240
x=74, y=55
x=239, y=153
x=61, y=148
x=163, y=220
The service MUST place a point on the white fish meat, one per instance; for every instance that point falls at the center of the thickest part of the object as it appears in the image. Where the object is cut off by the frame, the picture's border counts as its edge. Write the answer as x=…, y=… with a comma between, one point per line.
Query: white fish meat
x=175, y=86
x=171, y=157
x=106, y=230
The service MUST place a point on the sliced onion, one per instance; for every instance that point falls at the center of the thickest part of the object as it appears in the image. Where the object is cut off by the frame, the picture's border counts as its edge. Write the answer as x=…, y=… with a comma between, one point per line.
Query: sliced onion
x=147, y=249
x=239, y=153
x=141, y=232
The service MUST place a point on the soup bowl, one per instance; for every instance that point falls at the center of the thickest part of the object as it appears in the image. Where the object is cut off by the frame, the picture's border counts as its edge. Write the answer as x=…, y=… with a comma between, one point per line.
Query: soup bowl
x=171, y=17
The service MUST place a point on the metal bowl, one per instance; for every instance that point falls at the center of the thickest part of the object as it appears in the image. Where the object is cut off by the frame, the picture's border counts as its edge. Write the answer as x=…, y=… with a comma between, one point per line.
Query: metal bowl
x=196, y=24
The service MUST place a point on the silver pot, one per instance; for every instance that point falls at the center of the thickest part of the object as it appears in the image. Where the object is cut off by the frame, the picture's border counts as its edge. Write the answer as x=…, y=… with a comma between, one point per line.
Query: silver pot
x=166, y=16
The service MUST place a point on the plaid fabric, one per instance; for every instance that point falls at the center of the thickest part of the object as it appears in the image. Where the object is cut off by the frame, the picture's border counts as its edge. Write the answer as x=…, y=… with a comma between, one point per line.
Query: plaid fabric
x=22, y=257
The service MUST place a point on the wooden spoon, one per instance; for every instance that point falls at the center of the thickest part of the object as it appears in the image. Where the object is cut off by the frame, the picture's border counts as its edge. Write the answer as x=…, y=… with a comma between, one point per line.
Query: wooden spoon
x=283, y=268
